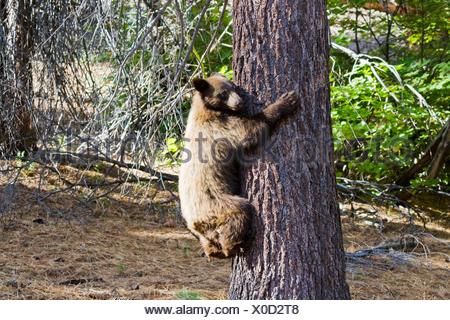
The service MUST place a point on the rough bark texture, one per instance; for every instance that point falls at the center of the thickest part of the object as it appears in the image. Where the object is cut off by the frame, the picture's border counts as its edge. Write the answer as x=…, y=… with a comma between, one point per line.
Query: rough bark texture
x=16, y=82
x=282, y=45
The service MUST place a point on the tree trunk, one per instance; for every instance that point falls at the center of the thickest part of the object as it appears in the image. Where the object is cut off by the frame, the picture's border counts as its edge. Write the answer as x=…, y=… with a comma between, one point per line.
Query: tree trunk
x=16, y=81
x=282, y=45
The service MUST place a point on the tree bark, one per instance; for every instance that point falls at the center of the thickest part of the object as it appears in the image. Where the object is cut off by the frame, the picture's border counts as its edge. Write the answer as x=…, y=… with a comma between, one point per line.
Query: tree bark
x=297, y=253
x=16, y=81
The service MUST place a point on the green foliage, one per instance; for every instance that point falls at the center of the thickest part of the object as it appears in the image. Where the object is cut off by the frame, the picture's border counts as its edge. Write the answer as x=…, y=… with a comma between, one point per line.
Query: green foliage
x=427, y=27
x=214, y=26
x=433, y=81
x=384, y=116
x=188, y=295
x=186, y=250
x=121, y=269
x=21, y=155
x=380, y=125
x=170, y=154
x=420, y=28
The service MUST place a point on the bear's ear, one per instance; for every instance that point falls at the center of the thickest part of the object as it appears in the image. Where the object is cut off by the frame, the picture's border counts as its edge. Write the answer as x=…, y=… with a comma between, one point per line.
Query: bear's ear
x=200, y=85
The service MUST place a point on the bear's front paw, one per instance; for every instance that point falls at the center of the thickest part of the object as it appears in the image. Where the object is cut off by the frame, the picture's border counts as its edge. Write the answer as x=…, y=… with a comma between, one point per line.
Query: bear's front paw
x=287, y=104
x=289, y=99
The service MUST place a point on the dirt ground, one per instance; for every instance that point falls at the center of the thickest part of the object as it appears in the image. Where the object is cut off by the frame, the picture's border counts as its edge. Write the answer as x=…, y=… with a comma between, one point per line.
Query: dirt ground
x=131, y=244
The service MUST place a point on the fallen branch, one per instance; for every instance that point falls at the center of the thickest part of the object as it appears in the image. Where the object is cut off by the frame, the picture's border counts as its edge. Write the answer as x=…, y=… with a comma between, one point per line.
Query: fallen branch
x=75, y=282
x=367, y=192
x=402, y=244
x=84, y=159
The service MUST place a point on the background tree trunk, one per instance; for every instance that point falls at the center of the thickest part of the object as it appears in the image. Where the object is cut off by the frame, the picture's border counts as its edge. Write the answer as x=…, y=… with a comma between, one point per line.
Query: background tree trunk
x=282, y=45
x=16, y=80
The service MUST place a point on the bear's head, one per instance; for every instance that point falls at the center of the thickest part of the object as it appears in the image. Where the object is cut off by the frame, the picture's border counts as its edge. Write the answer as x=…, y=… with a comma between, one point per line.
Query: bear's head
x=218, y=93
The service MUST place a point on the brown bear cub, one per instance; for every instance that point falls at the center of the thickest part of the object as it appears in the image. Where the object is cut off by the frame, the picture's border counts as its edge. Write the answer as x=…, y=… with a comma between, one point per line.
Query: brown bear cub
x=218, y=131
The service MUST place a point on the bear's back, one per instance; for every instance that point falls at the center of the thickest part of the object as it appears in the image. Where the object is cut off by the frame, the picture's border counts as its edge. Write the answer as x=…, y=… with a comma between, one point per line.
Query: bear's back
x=208, y=169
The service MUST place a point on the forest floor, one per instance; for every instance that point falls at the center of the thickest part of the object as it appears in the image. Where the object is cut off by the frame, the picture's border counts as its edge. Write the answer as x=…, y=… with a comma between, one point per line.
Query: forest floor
x=131, y=244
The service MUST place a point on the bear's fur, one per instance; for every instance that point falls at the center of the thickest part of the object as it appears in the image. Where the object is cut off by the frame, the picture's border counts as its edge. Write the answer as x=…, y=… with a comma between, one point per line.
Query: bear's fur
x=218, y=130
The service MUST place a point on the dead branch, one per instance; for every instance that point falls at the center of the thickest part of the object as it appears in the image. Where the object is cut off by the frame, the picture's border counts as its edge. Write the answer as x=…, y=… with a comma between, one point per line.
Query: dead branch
x=442, y=153
x=388, y=6
x=436, y=152
x=87, y=159
x=402, y=244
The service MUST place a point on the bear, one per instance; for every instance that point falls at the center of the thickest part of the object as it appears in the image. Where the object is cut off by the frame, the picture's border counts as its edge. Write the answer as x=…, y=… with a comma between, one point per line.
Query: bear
x=219, y=130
